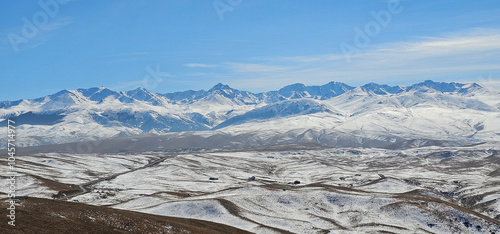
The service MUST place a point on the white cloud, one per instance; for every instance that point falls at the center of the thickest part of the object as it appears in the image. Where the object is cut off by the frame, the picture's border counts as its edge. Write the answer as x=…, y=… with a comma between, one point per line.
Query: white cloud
x=489, y=82
x=450, y=57
x=475, y=42
x=307, y=59
x=199, y=65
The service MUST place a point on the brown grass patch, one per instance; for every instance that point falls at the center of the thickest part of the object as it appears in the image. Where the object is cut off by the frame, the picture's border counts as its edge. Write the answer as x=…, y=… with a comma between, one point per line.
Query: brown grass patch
x=36, y=215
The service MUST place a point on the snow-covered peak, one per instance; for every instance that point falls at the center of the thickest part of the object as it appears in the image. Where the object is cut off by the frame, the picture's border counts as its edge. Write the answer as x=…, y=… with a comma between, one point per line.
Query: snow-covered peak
x=336, y=88
x=62, y=99
x=279, y=110
x=381, y=89
x=141, y=94
x=98, y=93
x=221, y=87
x=444, y=87
x=221, y=93
x=296, y=91
x=138, y=93
x=293, y=87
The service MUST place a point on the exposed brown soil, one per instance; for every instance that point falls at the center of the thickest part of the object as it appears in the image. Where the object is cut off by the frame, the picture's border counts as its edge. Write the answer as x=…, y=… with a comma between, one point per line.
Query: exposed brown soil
x=54, y=185
x=235, y=210
x=381, y=225
x=332, y=221
x=36, y=215
x=412, y=196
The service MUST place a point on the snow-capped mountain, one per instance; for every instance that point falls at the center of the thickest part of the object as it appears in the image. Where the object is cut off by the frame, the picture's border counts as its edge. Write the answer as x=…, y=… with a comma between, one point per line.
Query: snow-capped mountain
x=319, y=114
x=281, y=109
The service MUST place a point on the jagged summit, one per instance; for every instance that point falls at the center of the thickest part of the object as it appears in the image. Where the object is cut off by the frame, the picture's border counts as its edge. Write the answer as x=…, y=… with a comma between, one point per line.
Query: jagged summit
x=220, y=86
x=430, y=85
x=297, y=90
x=98, y=93
x=382, y=89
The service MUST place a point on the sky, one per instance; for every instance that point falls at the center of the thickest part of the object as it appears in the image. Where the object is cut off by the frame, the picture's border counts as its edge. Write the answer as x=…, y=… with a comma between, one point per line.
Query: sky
x=254, y=45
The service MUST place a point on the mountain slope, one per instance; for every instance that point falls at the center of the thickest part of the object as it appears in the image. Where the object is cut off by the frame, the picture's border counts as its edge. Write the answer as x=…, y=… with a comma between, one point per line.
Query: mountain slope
x=40, y=215
x=281, y=109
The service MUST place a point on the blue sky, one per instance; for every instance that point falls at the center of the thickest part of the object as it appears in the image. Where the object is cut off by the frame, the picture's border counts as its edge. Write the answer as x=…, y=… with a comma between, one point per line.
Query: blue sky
x=255, y=45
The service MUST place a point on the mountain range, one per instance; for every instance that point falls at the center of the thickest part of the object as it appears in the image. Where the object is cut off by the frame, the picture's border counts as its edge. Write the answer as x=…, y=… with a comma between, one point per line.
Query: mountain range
x=331, y=114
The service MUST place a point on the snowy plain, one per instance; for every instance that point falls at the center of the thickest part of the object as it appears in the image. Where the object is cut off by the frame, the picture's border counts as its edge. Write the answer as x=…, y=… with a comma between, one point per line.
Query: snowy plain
x=341, y=190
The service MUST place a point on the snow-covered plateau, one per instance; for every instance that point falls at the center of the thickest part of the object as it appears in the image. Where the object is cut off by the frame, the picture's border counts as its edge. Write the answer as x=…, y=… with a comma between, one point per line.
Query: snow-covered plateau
x=322, y=190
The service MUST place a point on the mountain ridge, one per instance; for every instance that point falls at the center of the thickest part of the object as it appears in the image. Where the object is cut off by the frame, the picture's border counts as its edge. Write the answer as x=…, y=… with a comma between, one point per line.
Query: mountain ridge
x=285, y=91
x=423, y=109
